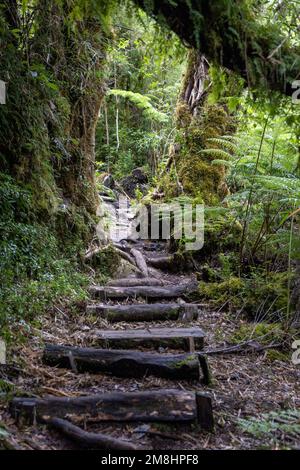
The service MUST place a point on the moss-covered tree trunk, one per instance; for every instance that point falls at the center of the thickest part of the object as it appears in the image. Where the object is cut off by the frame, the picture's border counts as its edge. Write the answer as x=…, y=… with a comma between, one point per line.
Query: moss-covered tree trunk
x=197, y=122
x=76, y=56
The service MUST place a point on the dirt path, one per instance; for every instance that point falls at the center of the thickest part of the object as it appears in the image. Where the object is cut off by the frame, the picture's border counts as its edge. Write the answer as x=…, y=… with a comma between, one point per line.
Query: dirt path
x=242, y=385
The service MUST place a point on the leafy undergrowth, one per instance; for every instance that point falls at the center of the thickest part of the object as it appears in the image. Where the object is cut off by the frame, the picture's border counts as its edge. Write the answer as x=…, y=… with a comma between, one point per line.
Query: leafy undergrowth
x=38, y=267
x=276, y=426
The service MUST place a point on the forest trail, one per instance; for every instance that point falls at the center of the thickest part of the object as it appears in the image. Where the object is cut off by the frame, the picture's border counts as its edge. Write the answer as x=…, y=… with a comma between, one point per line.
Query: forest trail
x=133, y=368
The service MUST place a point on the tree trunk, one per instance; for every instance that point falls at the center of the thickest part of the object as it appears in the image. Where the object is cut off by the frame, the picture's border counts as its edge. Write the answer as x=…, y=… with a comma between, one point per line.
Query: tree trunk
x=197, y=122
x=76, y=57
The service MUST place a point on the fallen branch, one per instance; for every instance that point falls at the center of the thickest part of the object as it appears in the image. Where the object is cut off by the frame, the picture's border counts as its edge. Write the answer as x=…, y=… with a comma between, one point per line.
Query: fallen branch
x=246, y=347
x=89, y=440
x=126, y=256
x=140, y=261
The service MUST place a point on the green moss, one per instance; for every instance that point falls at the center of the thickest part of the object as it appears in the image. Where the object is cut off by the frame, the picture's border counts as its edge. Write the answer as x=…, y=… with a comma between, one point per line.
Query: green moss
x=185, y=361
x=270, y=299
x=229, y=291
x=108, y=262
x=195, y=171
x=264, y=333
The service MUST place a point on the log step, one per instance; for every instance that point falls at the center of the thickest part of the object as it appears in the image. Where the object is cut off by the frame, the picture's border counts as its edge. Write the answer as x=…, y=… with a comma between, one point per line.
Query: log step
x=147, y=292
x=162, y=262
x=188, y=339
x=145, y=312
x=136, y=282
x=134, y=364
x=170, y=406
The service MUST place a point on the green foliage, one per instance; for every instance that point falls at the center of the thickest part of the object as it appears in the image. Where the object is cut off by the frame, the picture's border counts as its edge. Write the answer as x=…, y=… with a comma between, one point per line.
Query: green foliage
x=264, y=333
x=34, y=275
x=276, y=425
x=144, y=68
x=226, y=290
x=142, y=102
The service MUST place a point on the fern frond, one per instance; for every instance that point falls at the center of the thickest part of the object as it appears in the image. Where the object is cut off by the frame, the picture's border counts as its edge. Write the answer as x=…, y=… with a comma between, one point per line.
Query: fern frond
x=142, y=102
x=216, y=153
x=223, y=163
x=224, y=144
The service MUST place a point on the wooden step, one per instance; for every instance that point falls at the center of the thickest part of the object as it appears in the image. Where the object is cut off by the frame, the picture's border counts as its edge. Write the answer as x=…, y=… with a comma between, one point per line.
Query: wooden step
x=162, y=262
x=145, y=312
x=147, y=292
x=170, y=406
x=188, y=339
x=133, y=364
x=135, y=282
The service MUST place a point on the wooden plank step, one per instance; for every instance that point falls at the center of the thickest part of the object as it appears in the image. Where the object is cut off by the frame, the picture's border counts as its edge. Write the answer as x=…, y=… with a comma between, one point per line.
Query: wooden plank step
x=145, y=312
x=171, y=406
x=147, y=292
x=133, y=364
x=188, y=339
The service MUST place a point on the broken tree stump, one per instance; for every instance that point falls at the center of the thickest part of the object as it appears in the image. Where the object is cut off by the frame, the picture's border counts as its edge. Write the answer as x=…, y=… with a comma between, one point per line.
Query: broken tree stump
x=134, y=364
x=187, y=339
x=147, y=292
x=145, y=312
x=168, y=406
x=88, y=440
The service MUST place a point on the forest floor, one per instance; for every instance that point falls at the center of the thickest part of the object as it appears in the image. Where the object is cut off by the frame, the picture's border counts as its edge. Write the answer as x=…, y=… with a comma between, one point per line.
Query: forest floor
x=243, y=385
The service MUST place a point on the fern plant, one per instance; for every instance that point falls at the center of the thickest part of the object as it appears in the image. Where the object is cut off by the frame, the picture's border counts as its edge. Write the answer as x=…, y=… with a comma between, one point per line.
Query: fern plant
x=142, y=102
x=264, y=189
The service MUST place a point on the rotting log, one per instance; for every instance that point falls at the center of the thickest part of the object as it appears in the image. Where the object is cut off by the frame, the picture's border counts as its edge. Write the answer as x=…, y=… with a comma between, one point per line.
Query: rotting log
x=187, y=339
x=140, y=261
x=88, y=440
x=145, y=312
x=136, y=282
x=122, y=363
x=147, y=292
x=168, y=406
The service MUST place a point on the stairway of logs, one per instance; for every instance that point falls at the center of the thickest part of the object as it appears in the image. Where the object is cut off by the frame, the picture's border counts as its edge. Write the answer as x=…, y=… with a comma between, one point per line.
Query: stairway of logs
x=149, y=296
